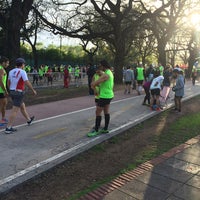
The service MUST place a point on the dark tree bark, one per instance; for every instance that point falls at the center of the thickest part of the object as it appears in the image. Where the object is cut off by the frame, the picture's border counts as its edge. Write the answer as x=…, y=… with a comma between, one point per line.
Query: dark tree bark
x=12, y=21
x=161, y=52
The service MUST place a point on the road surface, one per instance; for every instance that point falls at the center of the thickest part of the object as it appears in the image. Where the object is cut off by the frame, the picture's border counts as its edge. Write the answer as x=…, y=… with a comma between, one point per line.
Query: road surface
x=59, y=133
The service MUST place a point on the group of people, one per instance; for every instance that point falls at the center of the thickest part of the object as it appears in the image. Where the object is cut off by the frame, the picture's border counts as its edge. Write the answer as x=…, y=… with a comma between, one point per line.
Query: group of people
x=13, y=85
x=156, y=83
x=47, y=74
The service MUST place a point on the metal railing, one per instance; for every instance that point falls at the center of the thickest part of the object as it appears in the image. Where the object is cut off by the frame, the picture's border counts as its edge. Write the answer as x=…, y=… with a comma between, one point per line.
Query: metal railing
x=57, y=79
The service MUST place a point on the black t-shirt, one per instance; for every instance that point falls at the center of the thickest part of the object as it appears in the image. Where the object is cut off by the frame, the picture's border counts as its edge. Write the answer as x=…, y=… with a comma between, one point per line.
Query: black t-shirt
x=166, y=81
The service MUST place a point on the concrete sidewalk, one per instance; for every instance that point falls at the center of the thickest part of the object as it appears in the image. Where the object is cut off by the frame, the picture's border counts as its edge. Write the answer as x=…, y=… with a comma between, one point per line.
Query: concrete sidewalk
x=174, y=175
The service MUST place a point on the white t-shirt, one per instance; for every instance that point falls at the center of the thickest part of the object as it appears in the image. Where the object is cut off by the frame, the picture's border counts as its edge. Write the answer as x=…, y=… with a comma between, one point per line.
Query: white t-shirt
x=17, y=78
x=156, y=83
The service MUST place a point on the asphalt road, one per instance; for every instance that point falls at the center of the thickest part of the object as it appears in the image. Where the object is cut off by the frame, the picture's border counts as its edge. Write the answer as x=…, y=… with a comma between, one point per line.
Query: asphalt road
x=59, y=133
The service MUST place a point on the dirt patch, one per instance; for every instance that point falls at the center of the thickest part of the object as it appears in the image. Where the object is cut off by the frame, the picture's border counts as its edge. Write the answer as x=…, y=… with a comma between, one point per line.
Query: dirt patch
x=102, y=161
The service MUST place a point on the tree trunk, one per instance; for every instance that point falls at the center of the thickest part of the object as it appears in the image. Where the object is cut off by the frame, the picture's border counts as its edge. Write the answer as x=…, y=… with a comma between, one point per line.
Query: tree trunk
x=191, y=60
x=162, y=53
x=18, y=13
x=119, y=63
x=35, y=57
x=12, y=43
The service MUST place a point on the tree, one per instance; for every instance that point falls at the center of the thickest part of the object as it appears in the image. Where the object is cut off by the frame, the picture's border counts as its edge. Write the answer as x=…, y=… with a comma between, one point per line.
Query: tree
x=164, y=26
x=144, y=47
x=13, y=15
x=116, y=23
x=91, y=51
x=30, y=32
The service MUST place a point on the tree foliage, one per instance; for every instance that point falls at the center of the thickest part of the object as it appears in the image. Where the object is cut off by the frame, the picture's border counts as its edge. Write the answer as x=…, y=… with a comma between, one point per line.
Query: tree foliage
x=117, y=23
x=127, y=31
x=13, y=15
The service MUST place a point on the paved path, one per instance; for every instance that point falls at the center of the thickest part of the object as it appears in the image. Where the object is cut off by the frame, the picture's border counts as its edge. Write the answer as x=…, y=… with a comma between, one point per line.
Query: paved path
x=59, y=133
x=175, y=175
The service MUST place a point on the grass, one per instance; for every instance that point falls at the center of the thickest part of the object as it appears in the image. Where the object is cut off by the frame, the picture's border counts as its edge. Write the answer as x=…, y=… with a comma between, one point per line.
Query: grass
x=178, y=132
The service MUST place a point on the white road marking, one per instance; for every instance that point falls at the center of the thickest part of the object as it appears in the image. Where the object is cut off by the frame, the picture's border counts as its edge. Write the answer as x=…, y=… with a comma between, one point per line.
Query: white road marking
x=81, y=145
x=64, y=153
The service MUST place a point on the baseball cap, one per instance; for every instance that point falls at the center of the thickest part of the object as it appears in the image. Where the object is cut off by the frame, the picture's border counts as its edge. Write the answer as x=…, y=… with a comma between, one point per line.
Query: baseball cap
x=20, y=61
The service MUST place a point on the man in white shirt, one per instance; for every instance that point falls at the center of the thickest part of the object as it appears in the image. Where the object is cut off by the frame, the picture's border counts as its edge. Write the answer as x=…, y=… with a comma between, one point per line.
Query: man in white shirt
x=155, y=91
x=17, y=79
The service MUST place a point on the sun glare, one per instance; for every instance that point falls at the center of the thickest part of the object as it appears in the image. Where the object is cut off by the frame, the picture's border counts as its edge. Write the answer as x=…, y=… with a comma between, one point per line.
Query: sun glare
x=195, y=19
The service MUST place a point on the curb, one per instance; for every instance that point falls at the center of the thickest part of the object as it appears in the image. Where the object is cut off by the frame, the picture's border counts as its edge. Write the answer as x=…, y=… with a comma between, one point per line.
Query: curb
x=123, y=179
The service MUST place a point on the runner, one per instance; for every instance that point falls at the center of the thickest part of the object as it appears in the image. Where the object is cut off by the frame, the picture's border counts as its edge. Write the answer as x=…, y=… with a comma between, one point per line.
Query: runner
x=17, y=79
x=4, y=62
x=140, y=76
x=164, y=94
x=96, y=89
x=155, y=89
x=106, y=94
x=178, y=89
x=128, y=80
x=90, y=74
x=194, y=75
x=66, y=77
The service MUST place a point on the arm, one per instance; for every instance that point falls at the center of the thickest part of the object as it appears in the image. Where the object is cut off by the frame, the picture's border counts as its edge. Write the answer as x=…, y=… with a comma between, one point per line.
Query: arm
x=179, y=85
x=1, y=82
x=92, y=84
x=27, y=82
x=103, y=78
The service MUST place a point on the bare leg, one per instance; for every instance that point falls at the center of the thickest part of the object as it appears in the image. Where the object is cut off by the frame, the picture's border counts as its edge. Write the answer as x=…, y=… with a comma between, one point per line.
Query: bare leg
x=176, y=102
x=24, y=112
x=179, y=103
x=129, y=88
x=3, y=103
x=157, y=100
x=12, y=116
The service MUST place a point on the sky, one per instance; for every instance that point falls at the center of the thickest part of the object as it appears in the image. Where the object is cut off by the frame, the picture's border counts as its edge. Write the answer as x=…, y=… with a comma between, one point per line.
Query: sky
x=48, y=38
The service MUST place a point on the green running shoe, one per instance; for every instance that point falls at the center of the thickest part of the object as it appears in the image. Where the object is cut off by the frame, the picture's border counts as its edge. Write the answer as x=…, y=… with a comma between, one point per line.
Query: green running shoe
x=93, y=133
x=104, y=130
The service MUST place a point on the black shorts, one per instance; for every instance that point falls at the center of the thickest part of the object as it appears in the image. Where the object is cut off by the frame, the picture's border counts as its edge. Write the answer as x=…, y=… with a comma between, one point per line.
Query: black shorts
x=17, y=98
x=103, y=102
x=96, y=100
x=2, y=96
x=50, y=78
x=155, y=92
x=178, y=97
x=139, y=82
x=128, y=82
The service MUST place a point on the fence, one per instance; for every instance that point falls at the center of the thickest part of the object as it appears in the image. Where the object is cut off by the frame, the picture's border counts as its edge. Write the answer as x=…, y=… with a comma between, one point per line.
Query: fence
x=58, y=79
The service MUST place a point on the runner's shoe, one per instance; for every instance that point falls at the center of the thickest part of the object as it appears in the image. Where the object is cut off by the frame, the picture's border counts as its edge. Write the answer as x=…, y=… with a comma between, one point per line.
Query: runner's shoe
x=158, y=109
x=93, y=133
x=10, y=130
x=92, y=129
x=104, y=130
x=30, y=121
